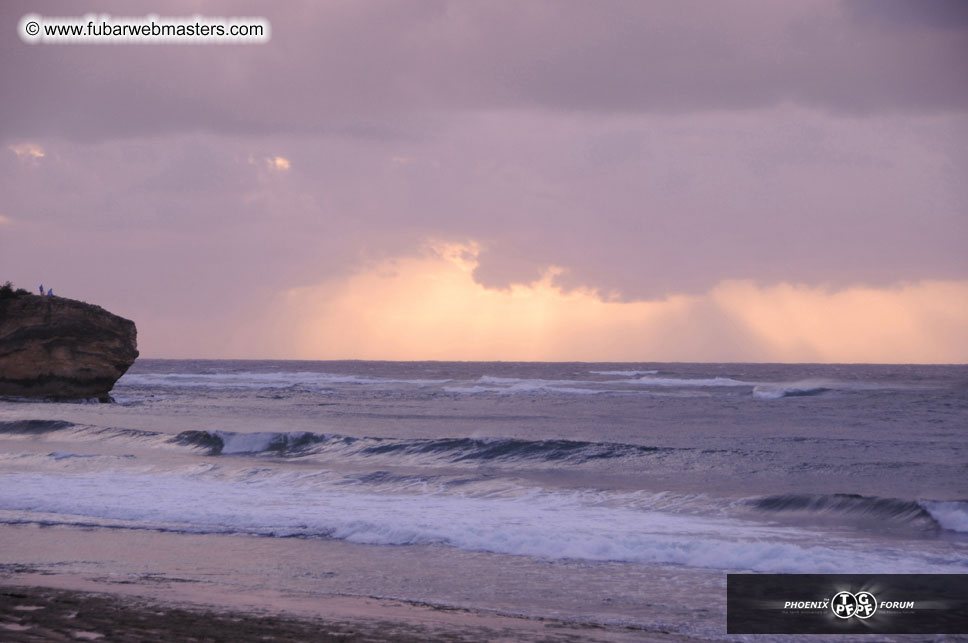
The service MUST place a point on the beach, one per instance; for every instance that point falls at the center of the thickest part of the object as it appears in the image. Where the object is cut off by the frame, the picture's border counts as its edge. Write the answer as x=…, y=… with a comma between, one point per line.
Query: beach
x=44, y=613
x=195, y=586
x=129, y=598
x=468, y=501
x=41, y=613
x=484, y=321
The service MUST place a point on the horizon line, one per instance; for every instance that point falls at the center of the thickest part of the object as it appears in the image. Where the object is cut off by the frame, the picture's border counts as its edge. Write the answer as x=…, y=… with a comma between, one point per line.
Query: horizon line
x=506, y=361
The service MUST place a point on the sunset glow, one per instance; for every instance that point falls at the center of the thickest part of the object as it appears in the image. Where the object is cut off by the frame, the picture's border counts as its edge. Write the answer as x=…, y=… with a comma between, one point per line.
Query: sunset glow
x=758, y=181
x=430, y=307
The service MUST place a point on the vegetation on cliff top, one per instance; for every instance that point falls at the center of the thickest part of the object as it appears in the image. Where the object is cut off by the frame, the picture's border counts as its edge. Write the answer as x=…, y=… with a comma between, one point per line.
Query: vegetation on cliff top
x=7, y=291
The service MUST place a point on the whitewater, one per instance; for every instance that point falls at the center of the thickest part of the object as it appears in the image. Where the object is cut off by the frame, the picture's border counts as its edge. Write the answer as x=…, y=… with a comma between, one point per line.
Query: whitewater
x=538, y=489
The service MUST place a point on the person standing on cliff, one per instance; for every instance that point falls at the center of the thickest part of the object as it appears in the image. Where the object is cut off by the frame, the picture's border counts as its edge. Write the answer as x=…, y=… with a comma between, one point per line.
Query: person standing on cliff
x=41, y=289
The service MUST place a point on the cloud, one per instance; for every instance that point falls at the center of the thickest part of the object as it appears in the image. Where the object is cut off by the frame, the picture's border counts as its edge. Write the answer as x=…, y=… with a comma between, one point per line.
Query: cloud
x=900, y=14
x=27, y=151
x=429, y=307
x=631, y=207
x=365, y=69
x=278, y=163
x=631, y=154
x=903, y=323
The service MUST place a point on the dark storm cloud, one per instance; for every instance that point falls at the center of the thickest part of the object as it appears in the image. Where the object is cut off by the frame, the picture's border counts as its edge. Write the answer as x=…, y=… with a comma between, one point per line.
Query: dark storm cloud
x=910, y=14
x=364, y=69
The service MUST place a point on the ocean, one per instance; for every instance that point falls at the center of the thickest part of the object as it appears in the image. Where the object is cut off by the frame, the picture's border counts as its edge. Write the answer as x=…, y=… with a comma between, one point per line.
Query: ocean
x=598, y=494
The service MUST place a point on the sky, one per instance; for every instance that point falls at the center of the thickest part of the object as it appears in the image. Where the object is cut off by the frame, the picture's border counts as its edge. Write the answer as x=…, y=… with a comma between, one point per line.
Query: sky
x=654, y=180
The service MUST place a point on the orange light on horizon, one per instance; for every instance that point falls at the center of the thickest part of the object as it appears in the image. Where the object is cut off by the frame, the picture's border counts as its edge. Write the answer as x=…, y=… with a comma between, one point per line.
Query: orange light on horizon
x=430, y=307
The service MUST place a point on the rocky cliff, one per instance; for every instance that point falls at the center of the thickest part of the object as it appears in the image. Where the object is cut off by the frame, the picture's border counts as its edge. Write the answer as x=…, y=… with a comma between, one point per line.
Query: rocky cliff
x=61, y=348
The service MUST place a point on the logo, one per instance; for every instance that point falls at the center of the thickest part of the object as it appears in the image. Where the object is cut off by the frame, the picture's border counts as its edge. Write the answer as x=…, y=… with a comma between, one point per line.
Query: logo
x=847, y=605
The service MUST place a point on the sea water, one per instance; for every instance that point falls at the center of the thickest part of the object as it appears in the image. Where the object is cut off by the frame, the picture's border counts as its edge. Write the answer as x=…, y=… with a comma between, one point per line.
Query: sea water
x=613, y=494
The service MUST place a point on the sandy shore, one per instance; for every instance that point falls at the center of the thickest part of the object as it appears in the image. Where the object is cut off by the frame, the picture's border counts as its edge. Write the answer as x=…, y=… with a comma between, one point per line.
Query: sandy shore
x=177, y=583
x=50, y=612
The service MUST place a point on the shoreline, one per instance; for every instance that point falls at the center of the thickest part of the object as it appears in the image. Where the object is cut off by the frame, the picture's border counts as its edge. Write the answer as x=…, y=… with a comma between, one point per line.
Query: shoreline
x=64, y=607
x=334, y=580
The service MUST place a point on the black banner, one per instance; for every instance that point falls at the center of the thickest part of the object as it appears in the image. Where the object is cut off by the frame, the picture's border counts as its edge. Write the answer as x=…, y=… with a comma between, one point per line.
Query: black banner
x=847, y=603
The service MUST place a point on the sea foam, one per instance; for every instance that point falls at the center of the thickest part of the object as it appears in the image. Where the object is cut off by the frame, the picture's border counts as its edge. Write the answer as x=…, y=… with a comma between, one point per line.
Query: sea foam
x=539, y=524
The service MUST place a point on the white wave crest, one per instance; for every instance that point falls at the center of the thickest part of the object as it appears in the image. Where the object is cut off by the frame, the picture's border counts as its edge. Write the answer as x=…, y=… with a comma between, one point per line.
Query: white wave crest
x=516, y=385
x=245, y=442
x=776, y=391
x=688, y=382
x=624, y=373
x=540, y=524
x=253, y=380
x=952, y=515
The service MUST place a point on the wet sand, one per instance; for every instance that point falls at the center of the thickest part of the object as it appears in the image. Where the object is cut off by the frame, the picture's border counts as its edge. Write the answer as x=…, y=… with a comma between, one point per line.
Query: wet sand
x=45, y=613
x=307, y=589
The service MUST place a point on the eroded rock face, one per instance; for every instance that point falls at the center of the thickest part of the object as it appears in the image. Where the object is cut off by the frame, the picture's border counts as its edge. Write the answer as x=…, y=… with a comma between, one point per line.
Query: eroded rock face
x=62, y=348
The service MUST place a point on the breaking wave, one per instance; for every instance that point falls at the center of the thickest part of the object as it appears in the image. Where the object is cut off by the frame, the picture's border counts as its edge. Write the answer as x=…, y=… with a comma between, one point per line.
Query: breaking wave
x=634, y=381
x=951, y=515
x=689, y=382
x=244, y=380
x=33, y=426
x=452, y=450
x=549, y=525
x=625, y=373
x=517, y=385
x=794, y=389
x=880, y=513
x=625, y=382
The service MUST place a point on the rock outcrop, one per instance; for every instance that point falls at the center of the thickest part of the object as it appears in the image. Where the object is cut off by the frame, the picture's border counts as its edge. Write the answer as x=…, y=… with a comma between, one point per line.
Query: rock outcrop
x=61, y=348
